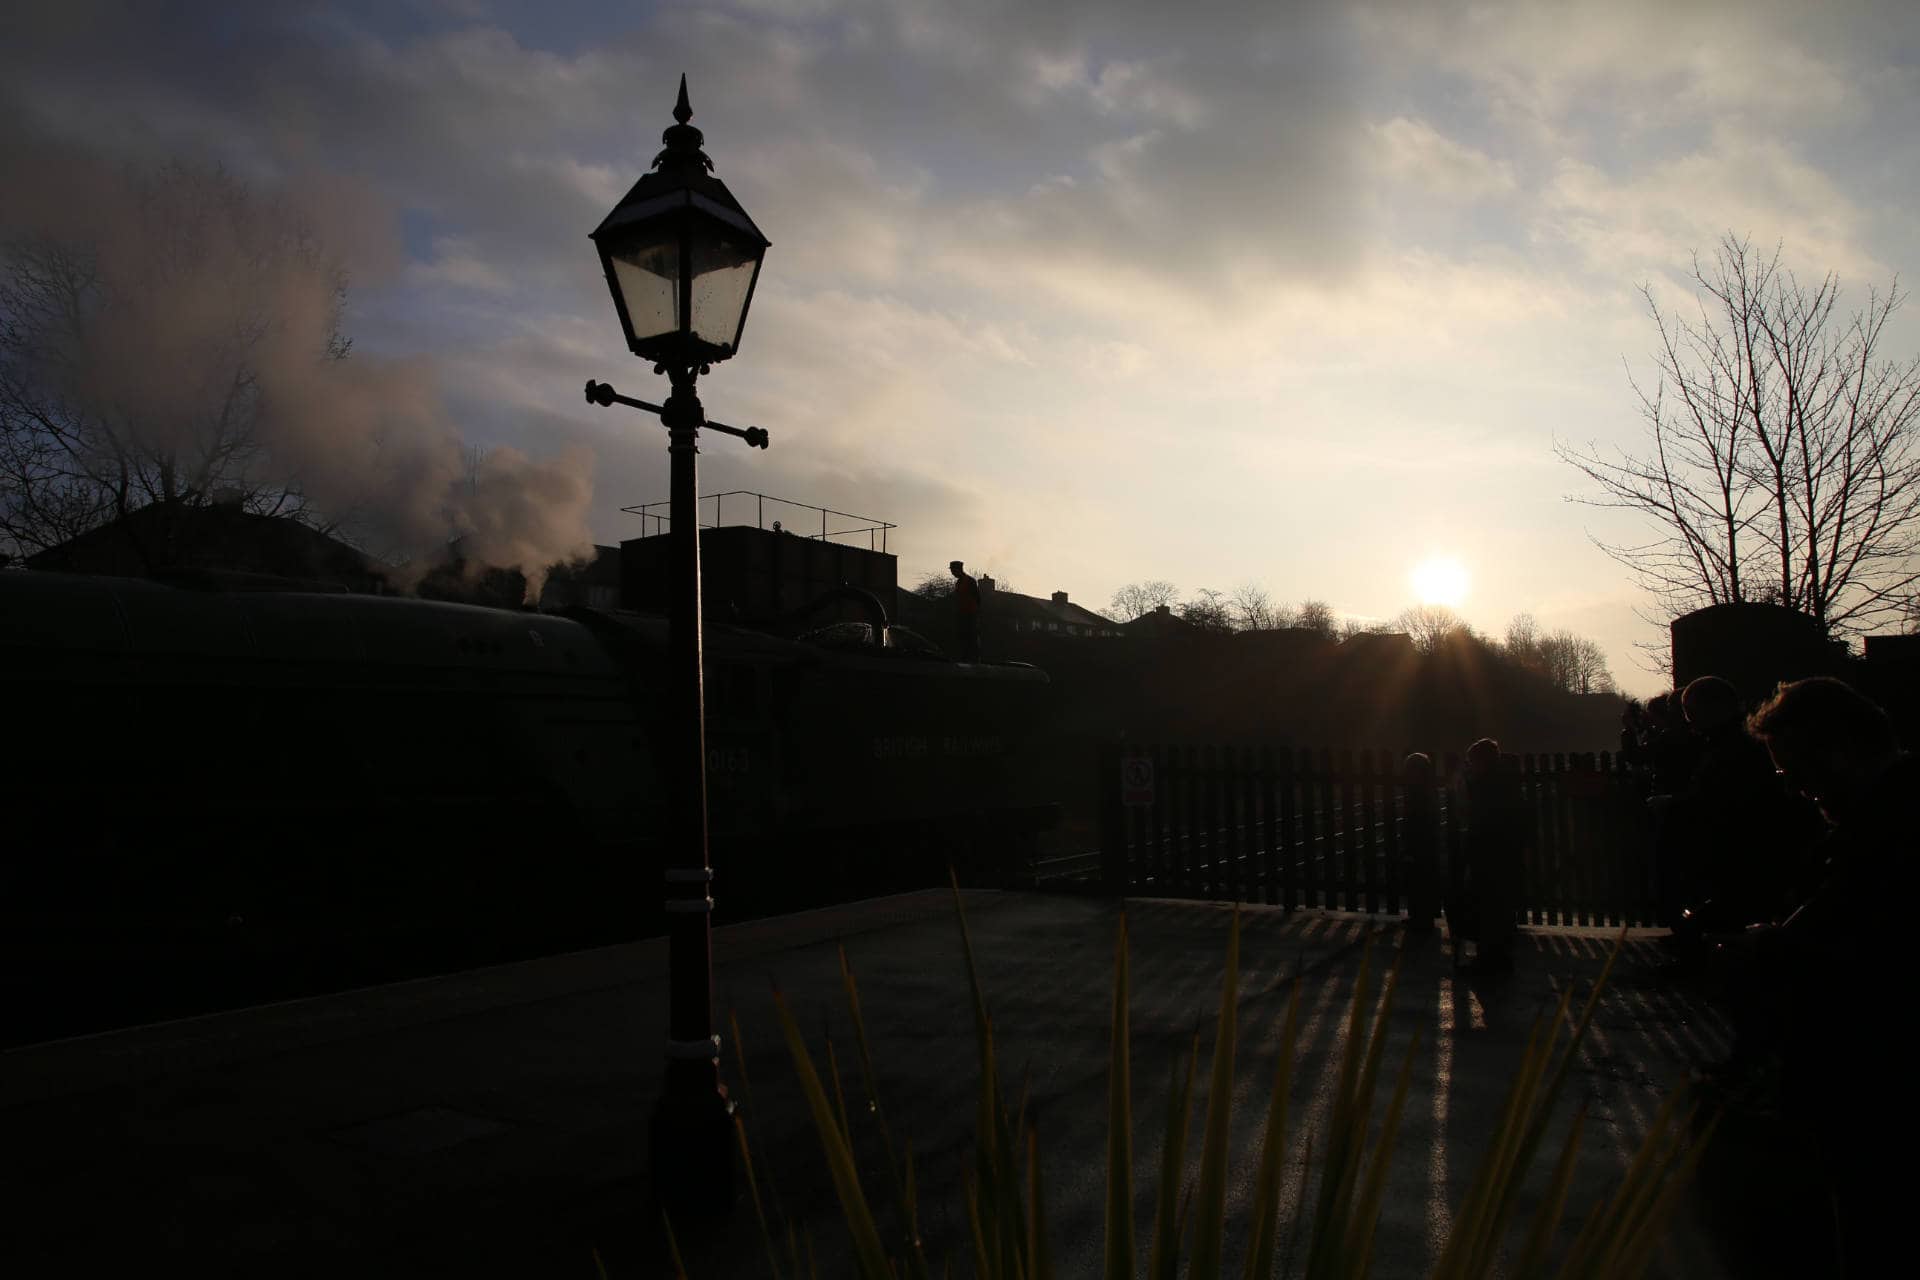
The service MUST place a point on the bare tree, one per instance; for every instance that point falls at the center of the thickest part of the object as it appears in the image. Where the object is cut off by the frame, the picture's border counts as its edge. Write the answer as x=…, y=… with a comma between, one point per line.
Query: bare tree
x=1254, y=609
x=1316, y=616
x=1208, y=610
x=1429, y=625
x=934, y=586
x=1138, y=598
x=1571, y=662
x=131, y=373
x=1523, y=638
x=1783, y=457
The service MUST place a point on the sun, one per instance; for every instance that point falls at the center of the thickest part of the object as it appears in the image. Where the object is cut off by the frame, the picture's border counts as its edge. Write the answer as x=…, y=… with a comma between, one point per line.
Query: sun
x=1440, y=580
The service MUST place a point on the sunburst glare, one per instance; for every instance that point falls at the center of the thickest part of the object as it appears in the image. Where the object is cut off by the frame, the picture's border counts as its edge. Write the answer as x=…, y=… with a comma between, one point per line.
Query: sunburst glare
x=1440, y=580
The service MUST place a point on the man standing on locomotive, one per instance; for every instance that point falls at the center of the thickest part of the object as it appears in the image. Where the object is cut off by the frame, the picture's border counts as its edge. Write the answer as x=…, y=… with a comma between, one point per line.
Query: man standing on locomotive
x=966, y=612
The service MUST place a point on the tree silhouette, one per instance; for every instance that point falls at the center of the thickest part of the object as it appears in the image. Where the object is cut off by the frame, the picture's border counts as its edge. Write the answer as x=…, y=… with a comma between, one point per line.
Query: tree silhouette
x=1138, y=598
x=1254, y=609
x=1571, y=662
x=1780, y=461
x=1429, y=625
x=1208, y=611
x=1316, y=616
x=131, y=374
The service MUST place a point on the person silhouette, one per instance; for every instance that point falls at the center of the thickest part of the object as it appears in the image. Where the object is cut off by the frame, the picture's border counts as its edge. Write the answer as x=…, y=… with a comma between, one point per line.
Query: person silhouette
x=966, y=612
x=1828, y=962
x=1733, y=824
x=1495, y=853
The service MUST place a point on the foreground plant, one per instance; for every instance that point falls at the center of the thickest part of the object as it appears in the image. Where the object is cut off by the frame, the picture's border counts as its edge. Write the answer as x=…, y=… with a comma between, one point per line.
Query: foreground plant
x=1007, y=1235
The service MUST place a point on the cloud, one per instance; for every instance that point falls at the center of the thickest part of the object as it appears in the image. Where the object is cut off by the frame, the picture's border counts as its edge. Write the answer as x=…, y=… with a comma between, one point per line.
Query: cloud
x=1773, y=62
x=1659, y=215
x=457, y=264
x=1102, y=287
x=1415, y=153
x=202, y=346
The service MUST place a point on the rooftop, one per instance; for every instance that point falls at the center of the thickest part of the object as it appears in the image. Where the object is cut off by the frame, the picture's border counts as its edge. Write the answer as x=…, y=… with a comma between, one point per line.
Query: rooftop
x=744, y=507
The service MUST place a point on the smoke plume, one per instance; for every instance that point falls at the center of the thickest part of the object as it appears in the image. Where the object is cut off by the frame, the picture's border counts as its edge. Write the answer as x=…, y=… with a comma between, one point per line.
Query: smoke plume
x=189, y=325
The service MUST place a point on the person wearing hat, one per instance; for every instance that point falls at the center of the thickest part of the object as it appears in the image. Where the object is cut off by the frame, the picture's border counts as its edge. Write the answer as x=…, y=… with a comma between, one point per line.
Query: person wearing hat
x=966, y=612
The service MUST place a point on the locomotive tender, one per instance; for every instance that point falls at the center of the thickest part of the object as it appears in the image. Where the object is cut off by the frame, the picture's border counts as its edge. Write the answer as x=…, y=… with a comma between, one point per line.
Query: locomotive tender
x=216, y=796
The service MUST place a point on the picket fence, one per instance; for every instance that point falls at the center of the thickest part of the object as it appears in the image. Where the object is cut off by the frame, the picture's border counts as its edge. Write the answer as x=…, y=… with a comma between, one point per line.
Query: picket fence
x=1345, y=830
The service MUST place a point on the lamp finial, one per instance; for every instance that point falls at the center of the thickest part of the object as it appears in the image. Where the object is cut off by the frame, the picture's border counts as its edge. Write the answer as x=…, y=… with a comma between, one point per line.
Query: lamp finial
x=682, y=153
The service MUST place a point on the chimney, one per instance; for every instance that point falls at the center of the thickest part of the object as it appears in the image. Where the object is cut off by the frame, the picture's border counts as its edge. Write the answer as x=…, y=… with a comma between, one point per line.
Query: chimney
x=986, y=584
x=1059, y=597
x=1162, y=610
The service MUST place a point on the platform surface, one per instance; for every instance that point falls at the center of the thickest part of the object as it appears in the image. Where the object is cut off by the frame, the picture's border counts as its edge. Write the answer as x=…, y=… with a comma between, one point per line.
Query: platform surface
x=494, y=1122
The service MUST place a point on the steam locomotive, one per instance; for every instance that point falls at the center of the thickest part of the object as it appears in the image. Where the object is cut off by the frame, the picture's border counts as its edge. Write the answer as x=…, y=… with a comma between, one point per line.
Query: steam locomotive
x=216, y=796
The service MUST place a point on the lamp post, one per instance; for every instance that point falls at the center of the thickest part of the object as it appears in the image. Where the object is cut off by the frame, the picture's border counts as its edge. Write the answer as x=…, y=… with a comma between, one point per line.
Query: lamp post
x=681, y=258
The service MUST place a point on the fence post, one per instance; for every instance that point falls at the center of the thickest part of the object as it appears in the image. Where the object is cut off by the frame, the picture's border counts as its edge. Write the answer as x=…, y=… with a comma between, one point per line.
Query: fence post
x=1218, y=760
x=1370, y=843
x=1326, y=857
x=1455, y=867
x=1562, y=829
x=1349, y=833
x=1157, y=816
x=1607, y=859
x=1533, y=876
x=1113, y=821
x=1392, y=804
x=1545, y=830
x=1422, y=844
x=1248, y=878
x=1285, y=847
x=1190, y=851
x=1585, y=839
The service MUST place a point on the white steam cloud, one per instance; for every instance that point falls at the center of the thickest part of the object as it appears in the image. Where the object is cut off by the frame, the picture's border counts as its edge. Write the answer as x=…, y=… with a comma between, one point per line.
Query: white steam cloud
x=187, y=325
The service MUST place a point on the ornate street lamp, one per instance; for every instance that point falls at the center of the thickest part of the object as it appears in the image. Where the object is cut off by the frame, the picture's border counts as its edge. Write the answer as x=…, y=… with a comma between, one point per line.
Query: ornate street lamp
x=681, y=258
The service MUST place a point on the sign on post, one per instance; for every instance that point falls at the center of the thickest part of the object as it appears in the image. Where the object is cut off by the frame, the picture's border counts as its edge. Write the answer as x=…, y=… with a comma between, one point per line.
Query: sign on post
x=1136, y=781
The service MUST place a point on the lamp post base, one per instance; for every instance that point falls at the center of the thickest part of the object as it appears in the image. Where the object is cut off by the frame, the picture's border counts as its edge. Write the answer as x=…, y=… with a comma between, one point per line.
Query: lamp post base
x=690, y=1152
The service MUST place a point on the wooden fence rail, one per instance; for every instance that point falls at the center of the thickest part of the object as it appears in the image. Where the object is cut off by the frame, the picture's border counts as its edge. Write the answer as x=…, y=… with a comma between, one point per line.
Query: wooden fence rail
x=1345, y=830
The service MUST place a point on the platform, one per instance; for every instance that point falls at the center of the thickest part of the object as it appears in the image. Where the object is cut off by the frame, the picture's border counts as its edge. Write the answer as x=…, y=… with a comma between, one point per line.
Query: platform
x=494, y=1122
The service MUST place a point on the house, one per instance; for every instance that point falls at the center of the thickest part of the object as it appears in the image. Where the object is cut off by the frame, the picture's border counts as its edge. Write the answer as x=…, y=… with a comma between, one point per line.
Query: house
x=1158, y=623
x=222, y=540
x=1009, y=611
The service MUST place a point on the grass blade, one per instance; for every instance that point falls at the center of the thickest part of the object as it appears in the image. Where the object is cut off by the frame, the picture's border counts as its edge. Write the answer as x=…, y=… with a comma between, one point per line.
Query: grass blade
x=1639, y=1251
x=1266, y=1220
x=673, y=1249
x=1120, y=1250
x=1210, y=1210
x=839, y=1096
x=1164, y=1258
x=903, y=1191
x=1039, y=1263
x=1546, y=1219
x=867, y=1249
x=982, y=1258
x=753, y=1188
x=1336, y=1175
x=1367, y=1213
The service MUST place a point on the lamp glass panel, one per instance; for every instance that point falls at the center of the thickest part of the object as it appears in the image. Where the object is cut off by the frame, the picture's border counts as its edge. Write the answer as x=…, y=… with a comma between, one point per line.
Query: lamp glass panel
x=646, y=274
x=723, y=268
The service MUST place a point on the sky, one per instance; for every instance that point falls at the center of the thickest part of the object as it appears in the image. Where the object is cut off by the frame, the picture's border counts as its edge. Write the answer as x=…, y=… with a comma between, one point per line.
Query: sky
x=1081, y=292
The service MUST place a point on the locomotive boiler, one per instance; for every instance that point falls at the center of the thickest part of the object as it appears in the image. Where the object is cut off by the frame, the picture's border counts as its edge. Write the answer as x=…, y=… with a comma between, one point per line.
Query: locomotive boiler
x=216, y=796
